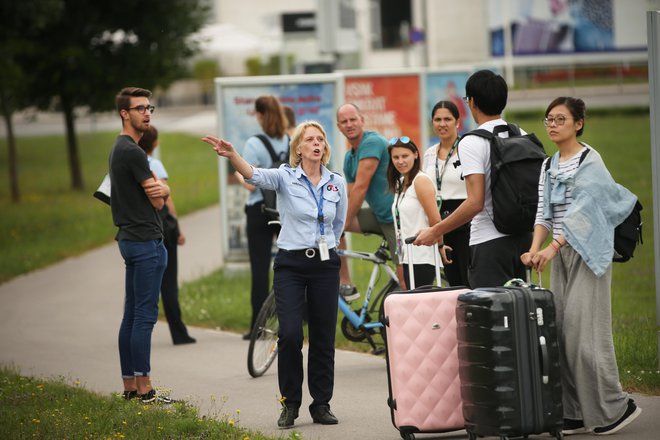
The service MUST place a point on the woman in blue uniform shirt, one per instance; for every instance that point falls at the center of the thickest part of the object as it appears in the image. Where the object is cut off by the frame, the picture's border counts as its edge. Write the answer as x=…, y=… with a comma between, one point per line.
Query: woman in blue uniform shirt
x=312, y=205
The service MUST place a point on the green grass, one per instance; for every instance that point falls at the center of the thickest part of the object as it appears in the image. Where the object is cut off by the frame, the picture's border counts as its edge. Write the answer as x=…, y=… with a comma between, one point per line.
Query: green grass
x=52, y=222
x=33, y=408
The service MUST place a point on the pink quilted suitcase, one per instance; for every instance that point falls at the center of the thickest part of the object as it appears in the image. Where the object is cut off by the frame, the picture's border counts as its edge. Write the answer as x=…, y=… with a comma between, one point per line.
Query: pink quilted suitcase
x=422, y=359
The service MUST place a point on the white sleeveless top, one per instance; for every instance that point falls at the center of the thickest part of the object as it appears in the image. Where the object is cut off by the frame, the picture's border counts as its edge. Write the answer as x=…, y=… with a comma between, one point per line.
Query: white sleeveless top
x=412, y=218
x=453, y=186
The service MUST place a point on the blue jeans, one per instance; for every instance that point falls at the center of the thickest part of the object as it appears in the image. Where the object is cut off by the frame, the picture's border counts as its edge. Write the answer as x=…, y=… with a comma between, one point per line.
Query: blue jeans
x=145, y=263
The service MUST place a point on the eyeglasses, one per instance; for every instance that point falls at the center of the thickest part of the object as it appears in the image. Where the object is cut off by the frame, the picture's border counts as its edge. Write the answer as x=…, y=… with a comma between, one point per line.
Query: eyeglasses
x=559, y=120
x=466, y=99
x=403, y=139
x=143, y=108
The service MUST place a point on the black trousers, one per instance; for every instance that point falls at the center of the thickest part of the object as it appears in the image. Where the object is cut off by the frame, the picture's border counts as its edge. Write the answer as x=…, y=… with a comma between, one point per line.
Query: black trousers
x=424, y=274
x=298, y=281
x=260, y=237
x=169, y=289
x=495, y=262
x=459, y=241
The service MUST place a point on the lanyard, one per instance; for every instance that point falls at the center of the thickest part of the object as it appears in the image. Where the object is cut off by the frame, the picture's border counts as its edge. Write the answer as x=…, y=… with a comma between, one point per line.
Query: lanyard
x=319, y=204
x=438, y=174
x=401, y=193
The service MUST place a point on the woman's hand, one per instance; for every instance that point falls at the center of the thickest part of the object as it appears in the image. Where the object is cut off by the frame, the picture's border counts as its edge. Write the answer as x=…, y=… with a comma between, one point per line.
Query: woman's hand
x=443, y=254
x=526, y=258
x=222, y=147
x=541, y=258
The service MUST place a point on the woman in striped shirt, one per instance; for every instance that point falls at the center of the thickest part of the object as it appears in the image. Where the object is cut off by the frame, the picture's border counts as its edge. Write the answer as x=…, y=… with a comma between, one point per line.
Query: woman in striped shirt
x=581, y=204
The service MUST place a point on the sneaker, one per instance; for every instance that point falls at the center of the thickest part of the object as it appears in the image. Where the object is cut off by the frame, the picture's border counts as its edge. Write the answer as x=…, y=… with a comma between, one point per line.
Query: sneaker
x=632, y=412
x=572, y=426
x=153, y=397
x=348, y=292
x=129, y=394
x=287, y=417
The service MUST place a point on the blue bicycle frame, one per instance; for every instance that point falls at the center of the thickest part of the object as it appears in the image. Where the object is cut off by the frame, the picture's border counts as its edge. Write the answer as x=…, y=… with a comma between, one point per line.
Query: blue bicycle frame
x=359, y=318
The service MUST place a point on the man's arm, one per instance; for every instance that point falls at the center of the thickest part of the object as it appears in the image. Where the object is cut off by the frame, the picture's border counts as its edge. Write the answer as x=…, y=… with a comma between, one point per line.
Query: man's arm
x=475, y=184
x=358, y=190
x=156, y=190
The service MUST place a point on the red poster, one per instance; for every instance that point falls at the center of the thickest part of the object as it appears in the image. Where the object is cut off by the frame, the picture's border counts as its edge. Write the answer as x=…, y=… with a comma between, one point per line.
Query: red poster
x=390, y=104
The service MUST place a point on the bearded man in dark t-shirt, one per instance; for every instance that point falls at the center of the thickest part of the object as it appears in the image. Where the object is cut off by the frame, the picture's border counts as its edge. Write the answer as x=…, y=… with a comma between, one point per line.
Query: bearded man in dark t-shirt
x=136, y=196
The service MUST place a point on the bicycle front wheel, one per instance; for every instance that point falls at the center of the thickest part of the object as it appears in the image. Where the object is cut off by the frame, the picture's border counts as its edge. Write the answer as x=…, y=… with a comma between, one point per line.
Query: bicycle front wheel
x=263, y=341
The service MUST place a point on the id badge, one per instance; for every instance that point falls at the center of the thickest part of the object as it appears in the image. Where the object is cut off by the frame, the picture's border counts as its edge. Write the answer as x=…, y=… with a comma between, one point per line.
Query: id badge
x=324, y=253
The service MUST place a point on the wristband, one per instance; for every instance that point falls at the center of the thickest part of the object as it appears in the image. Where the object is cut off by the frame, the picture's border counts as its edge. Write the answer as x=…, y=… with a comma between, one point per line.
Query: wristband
x=558, y=243
x=554, y=247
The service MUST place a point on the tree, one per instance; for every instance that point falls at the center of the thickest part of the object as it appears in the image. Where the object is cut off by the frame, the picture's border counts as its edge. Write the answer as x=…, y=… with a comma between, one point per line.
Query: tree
x=19, y=22
x=205, y=71
x=96, y=48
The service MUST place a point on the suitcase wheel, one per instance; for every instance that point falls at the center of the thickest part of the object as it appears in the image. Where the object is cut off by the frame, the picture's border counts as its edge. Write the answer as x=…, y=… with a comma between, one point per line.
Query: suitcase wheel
x=407, y=436
x=472, y=436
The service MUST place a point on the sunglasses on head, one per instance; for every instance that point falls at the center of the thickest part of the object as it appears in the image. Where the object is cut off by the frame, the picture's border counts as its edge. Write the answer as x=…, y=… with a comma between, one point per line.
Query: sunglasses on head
x=403, y=139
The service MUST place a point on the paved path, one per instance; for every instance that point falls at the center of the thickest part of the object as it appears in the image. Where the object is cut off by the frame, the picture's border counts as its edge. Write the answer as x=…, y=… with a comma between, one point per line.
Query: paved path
x=63, y=321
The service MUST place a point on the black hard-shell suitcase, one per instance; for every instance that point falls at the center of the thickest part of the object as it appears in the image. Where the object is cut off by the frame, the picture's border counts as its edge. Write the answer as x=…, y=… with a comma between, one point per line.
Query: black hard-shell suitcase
x=509, y=362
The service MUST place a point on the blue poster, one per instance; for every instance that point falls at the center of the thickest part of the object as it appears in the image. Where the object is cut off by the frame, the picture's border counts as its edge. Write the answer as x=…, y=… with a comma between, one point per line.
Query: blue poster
x=309, y=101
x=237, y=122
x=446, y=87
x=553, y=26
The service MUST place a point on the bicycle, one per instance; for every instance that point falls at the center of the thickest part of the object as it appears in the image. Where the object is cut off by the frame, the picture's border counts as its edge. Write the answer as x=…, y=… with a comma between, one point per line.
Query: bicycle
x=356, y=325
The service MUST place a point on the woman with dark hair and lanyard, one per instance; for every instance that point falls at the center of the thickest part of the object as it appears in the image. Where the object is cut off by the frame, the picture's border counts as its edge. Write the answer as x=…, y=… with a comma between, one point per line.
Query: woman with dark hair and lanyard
x=442, y=164
x=414, y=194
x=260, y=234
x=312, y=204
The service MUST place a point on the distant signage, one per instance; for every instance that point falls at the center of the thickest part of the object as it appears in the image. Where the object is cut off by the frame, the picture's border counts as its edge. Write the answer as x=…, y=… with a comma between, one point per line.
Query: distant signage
x=389, y=103
x=299, y=22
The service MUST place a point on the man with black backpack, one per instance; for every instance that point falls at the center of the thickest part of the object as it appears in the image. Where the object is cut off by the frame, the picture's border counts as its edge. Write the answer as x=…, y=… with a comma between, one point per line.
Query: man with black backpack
x=494, y=254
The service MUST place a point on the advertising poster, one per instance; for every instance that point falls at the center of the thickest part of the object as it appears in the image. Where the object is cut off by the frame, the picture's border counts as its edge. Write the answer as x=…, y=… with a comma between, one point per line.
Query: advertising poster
x=568, y=26
x=446, y=86
x=311, y=96
x=390, y=103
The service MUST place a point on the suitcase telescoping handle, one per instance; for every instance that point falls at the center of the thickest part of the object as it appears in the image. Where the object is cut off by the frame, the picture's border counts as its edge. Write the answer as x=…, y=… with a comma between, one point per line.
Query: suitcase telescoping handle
x=411, y=273
x=529, y=277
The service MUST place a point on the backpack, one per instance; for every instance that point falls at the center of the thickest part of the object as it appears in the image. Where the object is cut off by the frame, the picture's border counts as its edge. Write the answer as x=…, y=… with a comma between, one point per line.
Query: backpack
x=515, y=168
x=269, y=208
x=628, y=233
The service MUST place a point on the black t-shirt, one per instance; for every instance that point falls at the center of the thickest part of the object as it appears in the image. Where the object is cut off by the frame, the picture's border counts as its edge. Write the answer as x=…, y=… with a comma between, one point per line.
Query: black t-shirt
x=132, y=211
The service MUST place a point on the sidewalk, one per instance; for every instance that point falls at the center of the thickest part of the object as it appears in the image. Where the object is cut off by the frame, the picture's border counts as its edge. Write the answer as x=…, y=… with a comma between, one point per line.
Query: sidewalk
x=63, y=321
